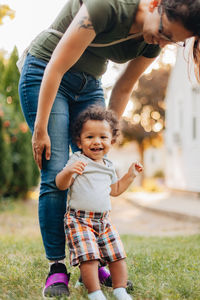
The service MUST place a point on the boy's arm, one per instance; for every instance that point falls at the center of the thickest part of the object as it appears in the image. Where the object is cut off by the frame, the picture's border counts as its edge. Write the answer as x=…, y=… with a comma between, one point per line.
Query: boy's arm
x=122, y=184
x=64, y=178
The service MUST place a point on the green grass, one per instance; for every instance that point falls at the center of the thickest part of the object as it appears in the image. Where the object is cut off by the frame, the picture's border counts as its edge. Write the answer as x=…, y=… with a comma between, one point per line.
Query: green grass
x=160, y=268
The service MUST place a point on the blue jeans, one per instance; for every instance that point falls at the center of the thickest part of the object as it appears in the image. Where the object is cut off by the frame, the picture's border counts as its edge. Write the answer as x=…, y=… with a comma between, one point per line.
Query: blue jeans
x=76, y=92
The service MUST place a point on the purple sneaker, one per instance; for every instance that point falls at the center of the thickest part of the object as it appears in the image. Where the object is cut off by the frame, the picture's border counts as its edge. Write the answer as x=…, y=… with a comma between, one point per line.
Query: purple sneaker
x=105, y=279
x=57, y=281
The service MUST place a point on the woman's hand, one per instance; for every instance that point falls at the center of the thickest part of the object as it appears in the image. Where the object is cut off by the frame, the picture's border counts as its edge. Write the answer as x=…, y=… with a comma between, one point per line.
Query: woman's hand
x=40, y=143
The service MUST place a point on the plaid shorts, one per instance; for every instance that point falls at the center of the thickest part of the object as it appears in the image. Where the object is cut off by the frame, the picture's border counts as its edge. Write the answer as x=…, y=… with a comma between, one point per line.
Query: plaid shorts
x=90, y=235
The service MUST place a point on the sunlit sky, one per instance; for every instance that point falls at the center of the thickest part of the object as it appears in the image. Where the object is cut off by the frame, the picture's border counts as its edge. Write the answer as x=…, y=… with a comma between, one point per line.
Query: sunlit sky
x=33, y=16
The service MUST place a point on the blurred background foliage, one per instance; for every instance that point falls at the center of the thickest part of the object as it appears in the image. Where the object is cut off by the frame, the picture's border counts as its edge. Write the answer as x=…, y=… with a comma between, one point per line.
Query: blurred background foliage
x=146, y=121
x=18, y=171
x=6, y=11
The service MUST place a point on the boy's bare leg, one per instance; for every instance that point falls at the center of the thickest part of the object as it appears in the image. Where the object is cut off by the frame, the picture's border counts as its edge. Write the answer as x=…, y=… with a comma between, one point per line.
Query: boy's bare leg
x=118, y=270
x=119, y=275
x=89, y=274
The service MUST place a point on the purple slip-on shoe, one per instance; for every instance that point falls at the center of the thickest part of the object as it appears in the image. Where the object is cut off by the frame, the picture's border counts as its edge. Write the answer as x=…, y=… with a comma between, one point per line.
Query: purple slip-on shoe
x=57, y=281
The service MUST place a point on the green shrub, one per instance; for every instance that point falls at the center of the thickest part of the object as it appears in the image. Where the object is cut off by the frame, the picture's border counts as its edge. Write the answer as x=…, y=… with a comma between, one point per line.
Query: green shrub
x=18, y=171
x=6, y=172
x=25, y=174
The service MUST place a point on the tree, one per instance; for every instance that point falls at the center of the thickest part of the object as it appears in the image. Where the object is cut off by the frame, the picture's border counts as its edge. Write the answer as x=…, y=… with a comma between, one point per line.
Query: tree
x=6, y=11
x=147, y=119
x=2, y=68
x=148, y=100
x=6, y=171
x=14, y=133
x=10, y=81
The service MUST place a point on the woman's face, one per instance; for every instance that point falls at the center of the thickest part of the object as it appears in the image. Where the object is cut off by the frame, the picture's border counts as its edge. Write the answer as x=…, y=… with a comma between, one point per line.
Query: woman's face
x=159, y=30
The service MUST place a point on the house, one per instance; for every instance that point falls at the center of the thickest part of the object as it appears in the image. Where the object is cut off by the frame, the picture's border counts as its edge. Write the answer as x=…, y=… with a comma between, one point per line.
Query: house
x=154, y=161
x=182, y=135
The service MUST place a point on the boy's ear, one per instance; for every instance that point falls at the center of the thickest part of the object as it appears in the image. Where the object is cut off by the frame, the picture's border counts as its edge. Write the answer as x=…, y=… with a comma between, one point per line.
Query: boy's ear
x=78, y=143
x=113, y=141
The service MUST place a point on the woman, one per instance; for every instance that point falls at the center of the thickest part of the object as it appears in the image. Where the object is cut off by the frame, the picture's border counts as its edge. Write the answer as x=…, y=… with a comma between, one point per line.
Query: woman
x=61, y=77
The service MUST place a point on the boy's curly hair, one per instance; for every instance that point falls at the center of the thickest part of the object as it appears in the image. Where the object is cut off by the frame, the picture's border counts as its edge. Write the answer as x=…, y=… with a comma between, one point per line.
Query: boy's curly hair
x=96, y=113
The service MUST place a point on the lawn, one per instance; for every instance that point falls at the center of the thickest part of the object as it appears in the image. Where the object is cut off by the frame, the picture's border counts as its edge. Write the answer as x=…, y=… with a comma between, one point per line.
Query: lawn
x=160, y=268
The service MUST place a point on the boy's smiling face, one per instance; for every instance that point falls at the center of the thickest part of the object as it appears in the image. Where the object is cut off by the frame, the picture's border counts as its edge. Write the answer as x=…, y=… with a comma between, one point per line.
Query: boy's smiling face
x=95, y=139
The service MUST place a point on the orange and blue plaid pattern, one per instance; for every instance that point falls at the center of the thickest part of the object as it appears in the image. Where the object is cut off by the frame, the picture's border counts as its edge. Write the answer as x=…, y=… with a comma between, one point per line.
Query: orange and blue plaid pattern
x=90, y=235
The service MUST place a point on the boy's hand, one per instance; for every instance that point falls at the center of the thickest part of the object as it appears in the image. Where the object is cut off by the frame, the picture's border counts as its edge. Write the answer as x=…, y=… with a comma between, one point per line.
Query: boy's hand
x=135, y=169
x=77, y=167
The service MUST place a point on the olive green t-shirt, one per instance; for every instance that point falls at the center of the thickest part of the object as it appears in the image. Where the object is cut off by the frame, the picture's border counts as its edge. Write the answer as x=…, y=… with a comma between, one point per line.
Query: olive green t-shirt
x=112, y=20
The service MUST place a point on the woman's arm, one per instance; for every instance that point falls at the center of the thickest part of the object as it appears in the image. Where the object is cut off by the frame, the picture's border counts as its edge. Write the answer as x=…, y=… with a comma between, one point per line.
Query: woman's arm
x=123, y=87
x=75, y=40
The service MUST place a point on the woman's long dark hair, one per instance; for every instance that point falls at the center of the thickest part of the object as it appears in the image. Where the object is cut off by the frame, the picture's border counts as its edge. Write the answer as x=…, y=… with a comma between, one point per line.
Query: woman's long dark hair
x=186, y=12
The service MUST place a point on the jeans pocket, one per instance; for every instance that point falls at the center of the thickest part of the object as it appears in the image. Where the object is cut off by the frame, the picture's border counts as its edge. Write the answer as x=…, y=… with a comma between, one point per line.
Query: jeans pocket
x=36, y=64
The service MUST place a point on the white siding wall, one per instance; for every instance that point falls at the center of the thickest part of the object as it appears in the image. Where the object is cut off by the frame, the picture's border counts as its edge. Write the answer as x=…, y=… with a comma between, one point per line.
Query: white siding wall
x=154, y=161
x=123, y=157
x=182, y=135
